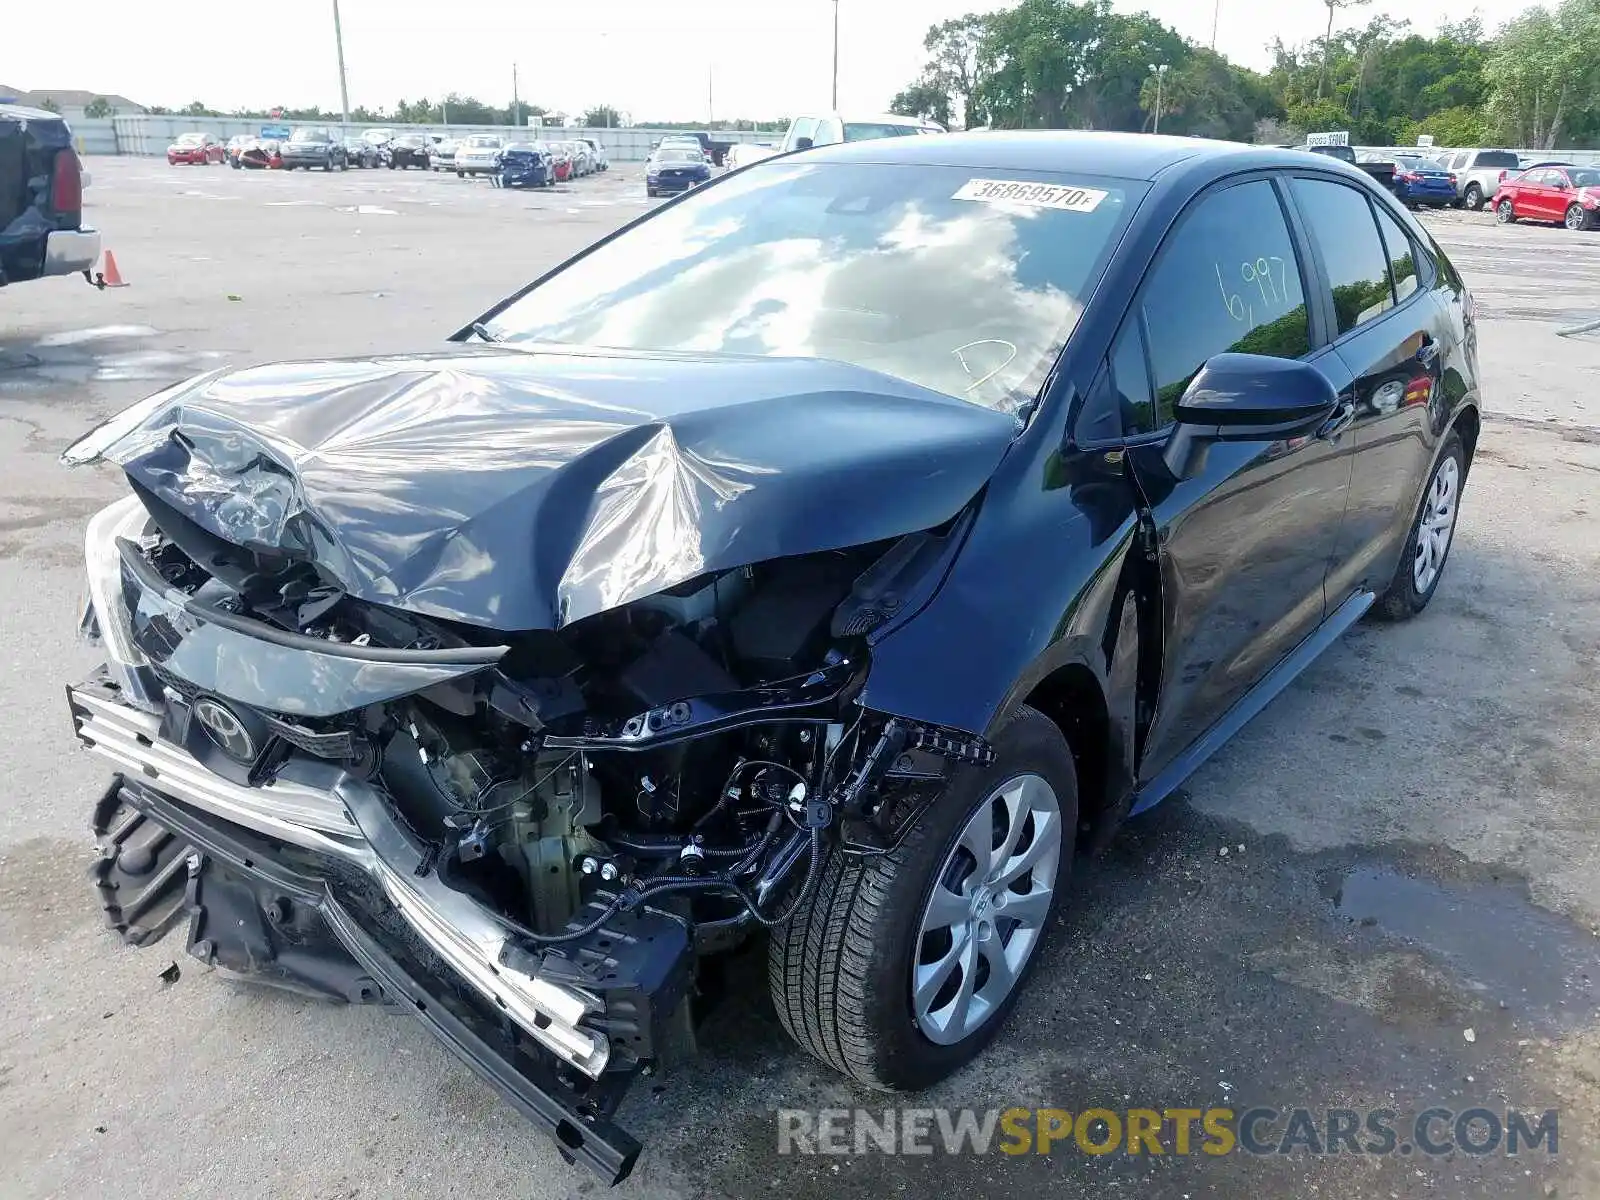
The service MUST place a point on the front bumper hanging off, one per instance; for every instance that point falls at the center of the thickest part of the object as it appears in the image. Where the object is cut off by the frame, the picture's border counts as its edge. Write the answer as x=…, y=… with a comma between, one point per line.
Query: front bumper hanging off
x=309, y=882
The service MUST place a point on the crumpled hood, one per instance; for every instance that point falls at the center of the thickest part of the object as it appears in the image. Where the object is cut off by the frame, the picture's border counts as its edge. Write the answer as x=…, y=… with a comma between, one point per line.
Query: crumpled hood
x=525, y=490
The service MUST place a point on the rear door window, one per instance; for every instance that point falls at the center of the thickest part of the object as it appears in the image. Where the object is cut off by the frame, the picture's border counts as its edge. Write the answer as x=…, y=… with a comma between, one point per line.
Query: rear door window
x=1402, y=256
x=1341, y=221
x=1227, y=279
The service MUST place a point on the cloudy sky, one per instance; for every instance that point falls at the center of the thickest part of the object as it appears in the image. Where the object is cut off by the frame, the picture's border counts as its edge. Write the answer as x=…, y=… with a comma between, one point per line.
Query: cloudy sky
x=763, y=58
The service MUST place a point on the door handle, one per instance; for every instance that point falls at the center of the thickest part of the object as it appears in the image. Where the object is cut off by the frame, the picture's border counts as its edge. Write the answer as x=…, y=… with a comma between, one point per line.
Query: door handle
x=1343, y=417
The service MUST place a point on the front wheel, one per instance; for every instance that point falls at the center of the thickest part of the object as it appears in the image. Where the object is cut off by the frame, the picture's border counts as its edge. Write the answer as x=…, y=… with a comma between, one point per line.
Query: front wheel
x=1473, y=197
x=1505, y=212
x=1432, y=534
x=899, y=969
x=1577, y=218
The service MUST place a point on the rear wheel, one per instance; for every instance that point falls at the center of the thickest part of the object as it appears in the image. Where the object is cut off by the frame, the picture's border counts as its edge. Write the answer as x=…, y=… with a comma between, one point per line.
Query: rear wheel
x=900, y=968
x=1432, y=534
x=1505, y=212
x=1473, y=197
x=1577, y=218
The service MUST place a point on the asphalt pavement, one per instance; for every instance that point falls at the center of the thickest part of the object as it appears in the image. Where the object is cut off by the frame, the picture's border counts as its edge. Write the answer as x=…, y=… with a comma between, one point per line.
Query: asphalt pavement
x=1384, y=894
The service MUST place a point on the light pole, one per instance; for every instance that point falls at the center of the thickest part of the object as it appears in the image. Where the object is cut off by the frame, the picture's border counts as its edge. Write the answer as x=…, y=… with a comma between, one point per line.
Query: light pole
x=835, y=55
x=1161, y=74
x=1216, y=16
x=338, y=43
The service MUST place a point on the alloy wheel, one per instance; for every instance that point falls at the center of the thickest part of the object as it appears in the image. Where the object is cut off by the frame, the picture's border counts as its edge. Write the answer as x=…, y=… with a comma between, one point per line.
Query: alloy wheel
x=1437, y=526
x=987, y=910
x=1575, y=217
x=1505, y=212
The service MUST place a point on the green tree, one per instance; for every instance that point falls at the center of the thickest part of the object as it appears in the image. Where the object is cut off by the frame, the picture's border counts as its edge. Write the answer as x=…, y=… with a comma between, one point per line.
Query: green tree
x=1543, y=73
x=924, y=99
x=602, y=116
x=97, y=109
x=49, y=104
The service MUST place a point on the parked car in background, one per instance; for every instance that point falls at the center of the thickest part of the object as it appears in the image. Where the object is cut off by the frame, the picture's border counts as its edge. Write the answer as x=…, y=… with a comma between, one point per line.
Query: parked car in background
x=41, y=199
x=597, y=151
x=409, y=150
x=362, y=153
x=561, y=161
x=1479, y=173
x=742, y=154
x=261, y=154
x=235, y=146
x=1336, y=144
x=681, y=141
x=826, y=129
x=1421, y=181
x=479, y=154
x=1561, y=195
x=378, y=137
x=442, y=154
x=525, y=164
x=582, y=158
x=196, y=149
x=675, y=169
x=313, y=147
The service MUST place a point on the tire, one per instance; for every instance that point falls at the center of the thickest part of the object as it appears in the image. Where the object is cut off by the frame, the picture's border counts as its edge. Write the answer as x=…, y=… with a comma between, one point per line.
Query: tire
x=344, y=164
x=1576, y=218
x=840, y=971
x=1473, y=197
x=1505, y=213
x=461, y=174
x=1407, y=594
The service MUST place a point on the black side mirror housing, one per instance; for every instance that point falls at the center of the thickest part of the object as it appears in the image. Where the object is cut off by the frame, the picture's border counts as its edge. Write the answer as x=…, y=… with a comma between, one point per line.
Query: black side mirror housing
x=1247, y=398
x=803, y=143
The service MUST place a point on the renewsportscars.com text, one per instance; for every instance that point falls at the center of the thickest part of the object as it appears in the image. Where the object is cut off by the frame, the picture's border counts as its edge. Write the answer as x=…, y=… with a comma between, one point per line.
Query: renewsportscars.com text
x=1180, y=1131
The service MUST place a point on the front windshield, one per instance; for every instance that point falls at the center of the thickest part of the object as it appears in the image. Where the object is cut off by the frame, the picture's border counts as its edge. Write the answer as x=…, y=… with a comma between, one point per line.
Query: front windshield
x=670, y=154
x=967, y=282
x=189, y=139
x=483, y=141
x=309, y=135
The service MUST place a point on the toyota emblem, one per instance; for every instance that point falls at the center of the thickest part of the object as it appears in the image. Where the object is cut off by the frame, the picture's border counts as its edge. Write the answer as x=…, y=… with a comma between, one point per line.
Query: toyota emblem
x=226, y=729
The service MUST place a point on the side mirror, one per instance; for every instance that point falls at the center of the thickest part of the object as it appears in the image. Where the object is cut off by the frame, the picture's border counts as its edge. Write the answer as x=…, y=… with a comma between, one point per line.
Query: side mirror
x=803, y=143
x=1247, y=398
x=1562, y=185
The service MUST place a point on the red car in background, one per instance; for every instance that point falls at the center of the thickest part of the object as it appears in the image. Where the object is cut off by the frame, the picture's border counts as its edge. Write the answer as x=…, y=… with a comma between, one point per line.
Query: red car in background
x=561, y=160
x=200, y=149
x=1567, y=196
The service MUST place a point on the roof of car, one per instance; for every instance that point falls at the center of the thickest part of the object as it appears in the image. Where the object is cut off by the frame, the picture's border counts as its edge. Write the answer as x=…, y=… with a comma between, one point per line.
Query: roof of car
x=1126, y=155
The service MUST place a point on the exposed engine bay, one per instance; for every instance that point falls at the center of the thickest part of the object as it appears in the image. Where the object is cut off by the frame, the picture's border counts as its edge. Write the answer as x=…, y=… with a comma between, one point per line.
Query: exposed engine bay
x=692, y=744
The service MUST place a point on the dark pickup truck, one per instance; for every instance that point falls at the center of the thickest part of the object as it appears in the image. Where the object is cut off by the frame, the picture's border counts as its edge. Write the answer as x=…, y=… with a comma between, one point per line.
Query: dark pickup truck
x=1383, y=172
x=41, y=198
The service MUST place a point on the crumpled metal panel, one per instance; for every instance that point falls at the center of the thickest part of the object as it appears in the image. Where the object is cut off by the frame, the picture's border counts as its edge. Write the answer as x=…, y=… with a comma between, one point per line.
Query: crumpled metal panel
x=526, y=490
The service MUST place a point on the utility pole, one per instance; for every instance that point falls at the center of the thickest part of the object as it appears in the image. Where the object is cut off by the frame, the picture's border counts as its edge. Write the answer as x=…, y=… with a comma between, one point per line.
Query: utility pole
x=1216, y=16
x=1161, y=73
x=338, y=42
x=710, y=108
x=516, y=100
x=835, y=55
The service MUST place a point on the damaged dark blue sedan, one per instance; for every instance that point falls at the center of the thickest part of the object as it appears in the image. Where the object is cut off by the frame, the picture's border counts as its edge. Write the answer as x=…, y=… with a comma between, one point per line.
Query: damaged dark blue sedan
x=831, y=555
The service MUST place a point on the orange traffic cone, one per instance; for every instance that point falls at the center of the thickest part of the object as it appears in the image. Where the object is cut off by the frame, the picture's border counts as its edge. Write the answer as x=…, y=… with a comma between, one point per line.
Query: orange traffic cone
x=111, y=277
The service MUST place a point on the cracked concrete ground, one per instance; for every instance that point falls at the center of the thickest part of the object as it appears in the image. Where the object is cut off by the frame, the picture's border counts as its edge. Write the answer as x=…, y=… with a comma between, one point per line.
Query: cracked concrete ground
x=1421, y=851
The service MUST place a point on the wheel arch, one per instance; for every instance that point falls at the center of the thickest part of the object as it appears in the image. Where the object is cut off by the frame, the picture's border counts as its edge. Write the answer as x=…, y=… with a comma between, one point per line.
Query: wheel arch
x=1072, y=698
x=1467, y=425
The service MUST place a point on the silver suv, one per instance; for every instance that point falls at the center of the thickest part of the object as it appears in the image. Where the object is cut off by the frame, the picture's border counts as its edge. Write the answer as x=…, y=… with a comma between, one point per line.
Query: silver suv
x=1478, y=173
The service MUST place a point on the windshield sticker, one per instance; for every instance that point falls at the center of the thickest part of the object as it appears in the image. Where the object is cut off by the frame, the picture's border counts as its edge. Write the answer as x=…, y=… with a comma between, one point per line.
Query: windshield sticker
x=1034, y=195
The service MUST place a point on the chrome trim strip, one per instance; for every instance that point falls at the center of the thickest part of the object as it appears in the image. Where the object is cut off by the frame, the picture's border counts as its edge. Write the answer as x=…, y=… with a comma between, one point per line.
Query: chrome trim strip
x=320, y=807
